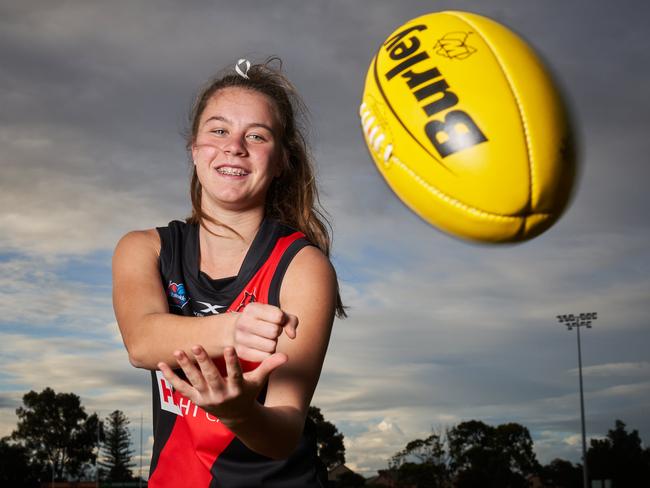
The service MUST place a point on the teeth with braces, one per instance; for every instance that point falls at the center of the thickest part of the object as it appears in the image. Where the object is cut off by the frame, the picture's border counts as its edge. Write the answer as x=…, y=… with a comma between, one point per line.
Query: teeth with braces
x=232, y=171
x=374, y=134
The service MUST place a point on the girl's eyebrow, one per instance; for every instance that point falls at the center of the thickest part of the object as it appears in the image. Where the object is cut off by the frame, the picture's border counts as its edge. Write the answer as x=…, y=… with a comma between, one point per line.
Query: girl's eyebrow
x=252, y=124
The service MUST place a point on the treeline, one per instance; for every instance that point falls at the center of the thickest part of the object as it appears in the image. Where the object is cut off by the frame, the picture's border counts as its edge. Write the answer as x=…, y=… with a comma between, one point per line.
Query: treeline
x=56, y=440
x=474, y=454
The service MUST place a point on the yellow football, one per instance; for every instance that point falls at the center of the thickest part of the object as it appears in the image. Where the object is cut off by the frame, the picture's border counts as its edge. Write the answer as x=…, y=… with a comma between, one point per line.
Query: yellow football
x=468, y=128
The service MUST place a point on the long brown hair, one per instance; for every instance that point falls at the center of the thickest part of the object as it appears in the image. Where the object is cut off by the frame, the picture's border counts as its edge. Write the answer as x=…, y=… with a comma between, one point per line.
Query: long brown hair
x=292, y=197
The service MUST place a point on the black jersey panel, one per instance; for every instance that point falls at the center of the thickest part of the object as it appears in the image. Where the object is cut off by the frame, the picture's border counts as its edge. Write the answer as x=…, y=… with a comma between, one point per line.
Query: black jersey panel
x=163, y=424
x=239, y=467
x=166, y=250
x=287, y=257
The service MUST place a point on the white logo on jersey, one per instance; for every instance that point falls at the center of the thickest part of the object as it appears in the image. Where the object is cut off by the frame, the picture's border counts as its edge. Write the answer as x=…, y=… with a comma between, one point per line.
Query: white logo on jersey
x=166, y=390
x=209, y=307
x=184, y=408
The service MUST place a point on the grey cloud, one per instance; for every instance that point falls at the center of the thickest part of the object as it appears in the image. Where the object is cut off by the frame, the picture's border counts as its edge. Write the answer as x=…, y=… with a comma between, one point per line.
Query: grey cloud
x=9, y=400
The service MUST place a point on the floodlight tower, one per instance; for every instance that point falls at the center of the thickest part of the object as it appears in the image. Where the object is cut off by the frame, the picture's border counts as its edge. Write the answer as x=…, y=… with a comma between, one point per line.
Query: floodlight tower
x=576, y=321
x=140, y=477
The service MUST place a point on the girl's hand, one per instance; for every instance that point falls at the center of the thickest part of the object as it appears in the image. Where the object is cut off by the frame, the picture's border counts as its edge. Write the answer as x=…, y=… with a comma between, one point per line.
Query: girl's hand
x=258, y=328
x=231, y=398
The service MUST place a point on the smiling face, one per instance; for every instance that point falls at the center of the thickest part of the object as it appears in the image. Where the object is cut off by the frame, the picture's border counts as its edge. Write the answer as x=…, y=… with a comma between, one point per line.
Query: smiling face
x=237, y=149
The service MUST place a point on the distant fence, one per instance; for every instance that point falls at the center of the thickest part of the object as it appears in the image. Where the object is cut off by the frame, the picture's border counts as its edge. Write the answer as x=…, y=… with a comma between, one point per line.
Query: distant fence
x=69, y=484
x=122, y=484
x=92, y=484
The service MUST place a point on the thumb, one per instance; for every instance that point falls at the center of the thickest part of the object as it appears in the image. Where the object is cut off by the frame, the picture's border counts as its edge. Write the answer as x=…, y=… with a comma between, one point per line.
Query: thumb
x=266, y=367
x=291, y=325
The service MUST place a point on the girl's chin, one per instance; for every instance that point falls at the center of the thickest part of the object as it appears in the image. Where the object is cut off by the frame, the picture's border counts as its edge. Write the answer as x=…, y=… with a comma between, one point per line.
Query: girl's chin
x=235, y=201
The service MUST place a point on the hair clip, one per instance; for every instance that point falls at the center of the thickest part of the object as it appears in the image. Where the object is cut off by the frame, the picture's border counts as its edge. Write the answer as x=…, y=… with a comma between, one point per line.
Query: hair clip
x=247, y=64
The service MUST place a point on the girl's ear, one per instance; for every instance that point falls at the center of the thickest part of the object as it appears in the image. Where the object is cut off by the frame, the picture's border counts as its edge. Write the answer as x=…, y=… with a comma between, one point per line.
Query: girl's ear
x=194, y=152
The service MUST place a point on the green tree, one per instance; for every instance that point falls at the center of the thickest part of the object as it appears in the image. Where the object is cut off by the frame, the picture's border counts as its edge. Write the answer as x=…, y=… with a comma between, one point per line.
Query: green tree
x=16, y=469
x=486, y=456
x=328, y=439
x=351, y=480
x=116, y=448
x=56, y=432
x=562, y=474
x=619, y=457
x=422, y=463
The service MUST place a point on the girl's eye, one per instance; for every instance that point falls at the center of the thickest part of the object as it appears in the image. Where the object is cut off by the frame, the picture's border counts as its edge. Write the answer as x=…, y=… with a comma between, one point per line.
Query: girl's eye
x=255, y=137
x=218, y=132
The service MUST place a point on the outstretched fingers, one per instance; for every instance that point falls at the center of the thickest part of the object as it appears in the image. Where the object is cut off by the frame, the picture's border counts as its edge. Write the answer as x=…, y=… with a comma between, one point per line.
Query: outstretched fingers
x=209, y=371
x=180, y=385
x=266, y=367
x=192, y=373
x=235, y=376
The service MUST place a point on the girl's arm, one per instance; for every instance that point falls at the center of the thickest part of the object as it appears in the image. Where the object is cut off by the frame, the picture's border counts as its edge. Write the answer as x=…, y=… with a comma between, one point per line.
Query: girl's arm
x=309, y=292
x=151, y=334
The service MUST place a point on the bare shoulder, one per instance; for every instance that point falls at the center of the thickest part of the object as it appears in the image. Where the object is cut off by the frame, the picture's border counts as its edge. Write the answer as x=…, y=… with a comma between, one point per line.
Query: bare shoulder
x=310, y=262
x=310, y=274
x=139, y=240
x=137, y=244
x=136, y=269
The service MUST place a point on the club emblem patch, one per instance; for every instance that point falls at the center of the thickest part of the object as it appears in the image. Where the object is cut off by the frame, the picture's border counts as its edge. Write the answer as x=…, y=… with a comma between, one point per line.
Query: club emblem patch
x=176, y=294
x=248, y=298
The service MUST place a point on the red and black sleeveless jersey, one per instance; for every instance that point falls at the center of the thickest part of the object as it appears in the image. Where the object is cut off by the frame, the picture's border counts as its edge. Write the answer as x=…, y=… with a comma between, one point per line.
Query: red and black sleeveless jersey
x=192, y=448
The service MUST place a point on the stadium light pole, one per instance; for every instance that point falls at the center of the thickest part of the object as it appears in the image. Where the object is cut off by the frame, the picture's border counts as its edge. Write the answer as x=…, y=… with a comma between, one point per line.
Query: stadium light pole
x=140, y=477
x=98, y=449
x=576, y=321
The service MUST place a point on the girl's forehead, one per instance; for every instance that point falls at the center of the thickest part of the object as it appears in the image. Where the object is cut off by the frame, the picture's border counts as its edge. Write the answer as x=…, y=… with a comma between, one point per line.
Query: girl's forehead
x=238, y=92
x=242, y=99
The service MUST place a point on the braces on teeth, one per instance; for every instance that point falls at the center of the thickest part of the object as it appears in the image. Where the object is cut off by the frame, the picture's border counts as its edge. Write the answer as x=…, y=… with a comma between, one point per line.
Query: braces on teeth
x=232, y=171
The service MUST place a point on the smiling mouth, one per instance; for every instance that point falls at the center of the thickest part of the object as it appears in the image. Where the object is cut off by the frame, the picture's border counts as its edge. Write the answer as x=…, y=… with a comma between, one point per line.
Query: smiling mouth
x=232, y=171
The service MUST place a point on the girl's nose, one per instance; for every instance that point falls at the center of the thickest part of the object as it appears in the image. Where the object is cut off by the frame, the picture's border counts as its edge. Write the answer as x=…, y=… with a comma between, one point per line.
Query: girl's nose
x=235, y=145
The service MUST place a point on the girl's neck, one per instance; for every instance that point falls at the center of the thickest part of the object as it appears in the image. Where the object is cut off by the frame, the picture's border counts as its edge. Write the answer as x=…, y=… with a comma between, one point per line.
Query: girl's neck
x=221, y=255
x=236, y=226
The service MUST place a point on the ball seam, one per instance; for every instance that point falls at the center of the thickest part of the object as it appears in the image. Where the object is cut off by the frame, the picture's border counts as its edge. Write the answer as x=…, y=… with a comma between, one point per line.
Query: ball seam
x=456, y=203
x=522, y=117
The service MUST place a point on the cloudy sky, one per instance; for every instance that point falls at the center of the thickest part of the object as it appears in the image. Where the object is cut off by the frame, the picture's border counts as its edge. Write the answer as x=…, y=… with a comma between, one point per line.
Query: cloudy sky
x=94, y=98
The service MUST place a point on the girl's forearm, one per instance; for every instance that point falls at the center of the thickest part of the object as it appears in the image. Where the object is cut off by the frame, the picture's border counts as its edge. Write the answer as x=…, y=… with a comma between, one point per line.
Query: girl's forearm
x=158, y=335
x=273, y=432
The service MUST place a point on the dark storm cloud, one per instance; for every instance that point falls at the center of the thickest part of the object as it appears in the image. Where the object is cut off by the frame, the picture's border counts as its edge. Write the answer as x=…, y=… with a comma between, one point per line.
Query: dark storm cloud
x=120, y=77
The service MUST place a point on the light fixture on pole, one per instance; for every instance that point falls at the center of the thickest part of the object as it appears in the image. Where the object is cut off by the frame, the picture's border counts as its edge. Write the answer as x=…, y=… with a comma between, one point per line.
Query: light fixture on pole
x=577, y=321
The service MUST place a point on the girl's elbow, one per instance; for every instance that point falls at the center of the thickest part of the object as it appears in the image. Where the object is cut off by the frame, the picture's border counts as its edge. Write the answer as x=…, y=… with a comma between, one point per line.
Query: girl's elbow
x=136, y=362
x=136, y=349
x=136, y=356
